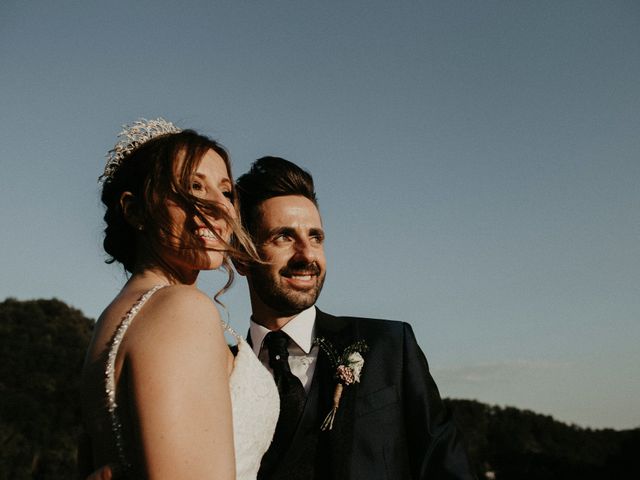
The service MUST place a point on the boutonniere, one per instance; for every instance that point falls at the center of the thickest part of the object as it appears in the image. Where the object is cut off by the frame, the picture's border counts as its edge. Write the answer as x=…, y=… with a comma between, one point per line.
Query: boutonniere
x=348, y=367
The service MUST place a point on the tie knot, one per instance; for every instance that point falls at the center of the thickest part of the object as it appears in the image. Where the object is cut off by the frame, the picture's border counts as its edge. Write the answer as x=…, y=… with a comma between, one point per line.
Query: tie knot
x=277, y=343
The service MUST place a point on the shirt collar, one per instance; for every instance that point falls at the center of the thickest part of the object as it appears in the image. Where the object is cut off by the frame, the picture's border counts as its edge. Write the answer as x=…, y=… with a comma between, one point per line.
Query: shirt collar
x=300, y=329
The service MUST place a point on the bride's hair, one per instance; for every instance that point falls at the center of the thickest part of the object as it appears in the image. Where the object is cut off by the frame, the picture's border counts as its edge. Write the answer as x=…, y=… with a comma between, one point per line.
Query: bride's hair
x=151, y=173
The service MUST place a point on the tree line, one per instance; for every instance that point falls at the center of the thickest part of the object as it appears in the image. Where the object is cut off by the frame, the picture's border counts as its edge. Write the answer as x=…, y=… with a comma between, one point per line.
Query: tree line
x=42, y=347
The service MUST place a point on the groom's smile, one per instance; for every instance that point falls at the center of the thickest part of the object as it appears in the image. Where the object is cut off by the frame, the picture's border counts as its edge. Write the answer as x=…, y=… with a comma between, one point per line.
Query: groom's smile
x=302, y=276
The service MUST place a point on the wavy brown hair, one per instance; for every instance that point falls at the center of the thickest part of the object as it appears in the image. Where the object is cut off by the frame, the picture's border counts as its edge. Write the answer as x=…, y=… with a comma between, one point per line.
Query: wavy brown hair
x=159, y=170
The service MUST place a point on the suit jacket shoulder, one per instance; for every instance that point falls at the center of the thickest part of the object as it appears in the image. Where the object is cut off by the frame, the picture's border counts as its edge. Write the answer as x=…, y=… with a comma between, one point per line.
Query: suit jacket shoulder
x=371, y=328
x=394, y=424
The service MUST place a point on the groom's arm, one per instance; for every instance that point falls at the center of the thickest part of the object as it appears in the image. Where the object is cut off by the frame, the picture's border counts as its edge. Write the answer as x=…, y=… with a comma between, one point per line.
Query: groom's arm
x=436, y=449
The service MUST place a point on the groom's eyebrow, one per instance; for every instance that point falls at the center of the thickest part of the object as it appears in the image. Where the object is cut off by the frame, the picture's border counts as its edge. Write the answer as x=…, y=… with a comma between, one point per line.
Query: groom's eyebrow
x=316, y=232
x=284, y=230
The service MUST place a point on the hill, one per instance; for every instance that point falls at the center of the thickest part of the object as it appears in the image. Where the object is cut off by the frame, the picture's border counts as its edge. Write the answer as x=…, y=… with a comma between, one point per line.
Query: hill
x=513, y=444
x=42, y=345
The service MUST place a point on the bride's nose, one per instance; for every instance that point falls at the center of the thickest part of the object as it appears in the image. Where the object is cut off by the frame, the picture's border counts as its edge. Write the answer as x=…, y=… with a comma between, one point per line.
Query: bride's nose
x=223, y=201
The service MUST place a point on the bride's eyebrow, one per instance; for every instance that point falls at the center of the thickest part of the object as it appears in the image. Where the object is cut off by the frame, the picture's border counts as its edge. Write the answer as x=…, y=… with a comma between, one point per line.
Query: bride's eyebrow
x=225, y=182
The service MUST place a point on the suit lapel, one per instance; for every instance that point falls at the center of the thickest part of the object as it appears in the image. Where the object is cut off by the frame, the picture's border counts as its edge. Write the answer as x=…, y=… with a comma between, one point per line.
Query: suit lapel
x=334, y=449
x=310, y=420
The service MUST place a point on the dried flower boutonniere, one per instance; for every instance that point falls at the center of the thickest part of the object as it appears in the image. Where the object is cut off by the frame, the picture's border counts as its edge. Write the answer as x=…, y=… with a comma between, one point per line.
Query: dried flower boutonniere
x=347, y=367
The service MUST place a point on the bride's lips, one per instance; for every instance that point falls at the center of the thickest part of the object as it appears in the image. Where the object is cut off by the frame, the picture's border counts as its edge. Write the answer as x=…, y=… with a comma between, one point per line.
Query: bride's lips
x=207, y=236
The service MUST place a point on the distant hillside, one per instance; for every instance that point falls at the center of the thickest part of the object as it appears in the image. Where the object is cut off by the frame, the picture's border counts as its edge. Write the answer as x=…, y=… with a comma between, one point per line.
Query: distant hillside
x=521, y=445
x=42, y=344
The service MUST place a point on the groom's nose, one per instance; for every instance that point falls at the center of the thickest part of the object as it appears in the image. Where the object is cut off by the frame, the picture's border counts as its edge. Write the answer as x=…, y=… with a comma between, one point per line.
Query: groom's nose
x=305, y=250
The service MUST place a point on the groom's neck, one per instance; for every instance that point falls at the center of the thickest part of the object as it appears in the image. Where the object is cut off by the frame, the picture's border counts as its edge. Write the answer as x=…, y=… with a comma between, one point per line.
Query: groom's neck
x=267, y=316
x=270, y=320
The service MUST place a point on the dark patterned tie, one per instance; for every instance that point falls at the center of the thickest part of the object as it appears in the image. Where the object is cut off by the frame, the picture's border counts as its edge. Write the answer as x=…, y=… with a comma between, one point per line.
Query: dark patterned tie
x=292, y=398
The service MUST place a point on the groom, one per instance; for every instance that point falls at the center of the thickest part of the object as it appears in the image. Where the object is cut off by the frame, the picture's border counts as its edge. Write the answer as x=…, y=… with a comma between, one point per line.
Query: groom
x=389, y=425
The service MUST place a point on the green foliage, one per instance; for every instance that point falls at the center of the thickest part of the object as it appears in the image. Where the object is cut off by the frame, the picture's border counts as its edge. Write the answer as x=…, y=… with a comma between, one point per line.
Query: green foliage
x=42, y=346
x=522, y=445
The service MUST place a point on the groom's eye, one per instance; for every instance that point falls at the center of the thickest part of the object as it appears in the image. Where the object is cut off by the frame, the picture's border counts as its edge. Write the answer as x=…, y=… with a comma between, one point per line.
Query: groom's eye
x=281, y=238
x=317, y=237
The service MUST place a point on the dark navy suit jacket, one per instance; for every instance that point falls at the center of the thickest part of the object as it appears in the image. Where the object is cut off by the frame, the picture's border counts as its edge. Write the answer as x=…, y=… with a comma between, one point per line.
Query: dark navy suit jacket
x=391, y=425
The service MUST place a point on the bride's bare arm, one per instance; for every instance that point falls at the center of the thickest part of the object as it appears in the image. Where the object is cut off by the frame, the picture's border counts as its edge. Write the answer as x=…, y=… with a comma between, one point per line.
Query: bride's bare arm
x=178, y=364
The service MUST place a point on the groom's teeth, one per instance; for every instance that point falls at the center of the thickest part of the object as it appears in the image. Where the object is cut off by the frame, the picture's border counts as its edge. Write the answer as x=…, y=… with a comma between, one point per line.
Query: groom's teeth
x=301, y=277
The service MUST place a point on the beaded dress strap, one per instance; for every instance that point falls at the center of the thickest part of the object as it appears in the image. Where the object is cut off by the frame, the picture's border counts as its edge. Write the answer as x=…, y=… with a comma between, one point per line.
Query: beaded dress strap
x=232, y=332
x=110, y=383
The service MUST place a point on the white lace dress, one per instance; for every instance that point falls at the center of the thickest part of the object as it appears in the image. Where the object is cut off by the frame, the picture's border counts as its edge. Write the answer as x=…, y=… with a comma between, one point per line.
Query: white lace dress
x=254, y=399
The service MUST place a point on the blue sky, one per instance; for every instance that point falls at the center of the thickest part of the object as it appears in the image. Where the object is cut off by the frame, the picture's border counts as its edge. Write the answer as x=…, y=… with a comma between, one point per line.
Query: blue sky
x=476, y=164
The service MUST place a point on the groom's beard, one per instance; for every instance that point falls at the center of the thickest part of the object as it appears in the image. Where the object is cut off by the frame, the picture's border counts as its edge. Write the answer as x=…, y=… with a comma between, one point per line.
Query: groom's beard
x=273, y=291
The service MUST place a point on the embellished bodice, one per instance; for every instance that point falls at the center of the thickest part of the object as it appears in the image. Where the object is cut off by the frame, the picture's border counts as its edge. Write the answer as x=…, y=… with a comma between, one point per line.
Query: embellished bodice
x=256, y=405
x=254, y=399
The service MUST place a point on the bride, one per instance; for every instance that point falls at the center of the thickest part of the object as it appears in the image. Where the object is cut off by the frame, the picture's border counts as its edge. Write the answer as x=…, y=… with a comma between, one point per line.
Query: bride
x=163, y=396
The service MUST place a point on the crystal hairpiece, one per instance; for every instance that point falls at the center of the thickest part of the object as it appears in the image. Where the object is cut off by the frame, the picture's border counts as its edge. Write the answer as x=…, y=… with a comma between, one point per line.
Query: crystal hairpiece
x=131, y=137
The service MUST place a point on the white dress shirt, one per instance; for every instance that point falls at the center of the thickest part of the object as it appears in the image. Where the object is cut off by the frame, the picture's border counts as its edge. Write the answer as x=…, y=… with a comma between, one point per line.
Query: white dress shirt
x=303, y=354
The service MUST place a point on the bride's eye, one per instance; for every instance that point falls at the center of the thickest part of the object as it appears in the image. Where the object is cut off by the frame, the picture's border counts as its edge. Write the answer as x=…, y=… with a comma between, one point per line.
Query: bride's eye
x=228, y=194
x=196, y=186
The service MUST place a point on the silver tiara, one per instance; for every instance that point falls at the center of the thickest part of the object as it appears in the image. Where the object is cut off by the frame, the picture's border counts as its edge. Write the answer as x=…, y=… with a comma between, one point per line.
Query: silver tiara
x=130, y=138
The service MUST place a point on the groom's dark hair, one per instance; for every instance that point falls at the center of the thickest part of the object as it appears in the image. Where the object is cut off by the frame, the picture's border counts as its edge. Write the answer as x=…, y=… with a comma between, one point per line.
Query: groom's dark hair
x=271, y=177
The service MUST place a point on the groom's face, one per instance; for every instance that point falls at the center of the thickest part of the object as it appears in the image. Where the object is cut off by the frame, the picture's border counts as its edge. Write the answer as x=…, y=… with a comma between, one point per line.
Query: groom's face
x=290, y=239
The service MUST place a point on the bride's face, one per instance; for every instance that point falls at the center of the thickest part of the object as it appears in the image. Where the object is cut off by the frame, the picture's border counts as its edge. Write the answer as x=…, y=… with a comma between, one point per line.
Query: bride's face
x=210, y=181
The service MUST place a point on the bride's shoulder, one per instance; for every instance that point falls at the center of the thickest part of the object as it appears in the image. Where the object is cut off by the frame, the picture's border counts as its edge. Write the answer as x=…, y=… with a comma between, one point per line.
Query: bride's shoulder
x=176, y=312
x=181, y=300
